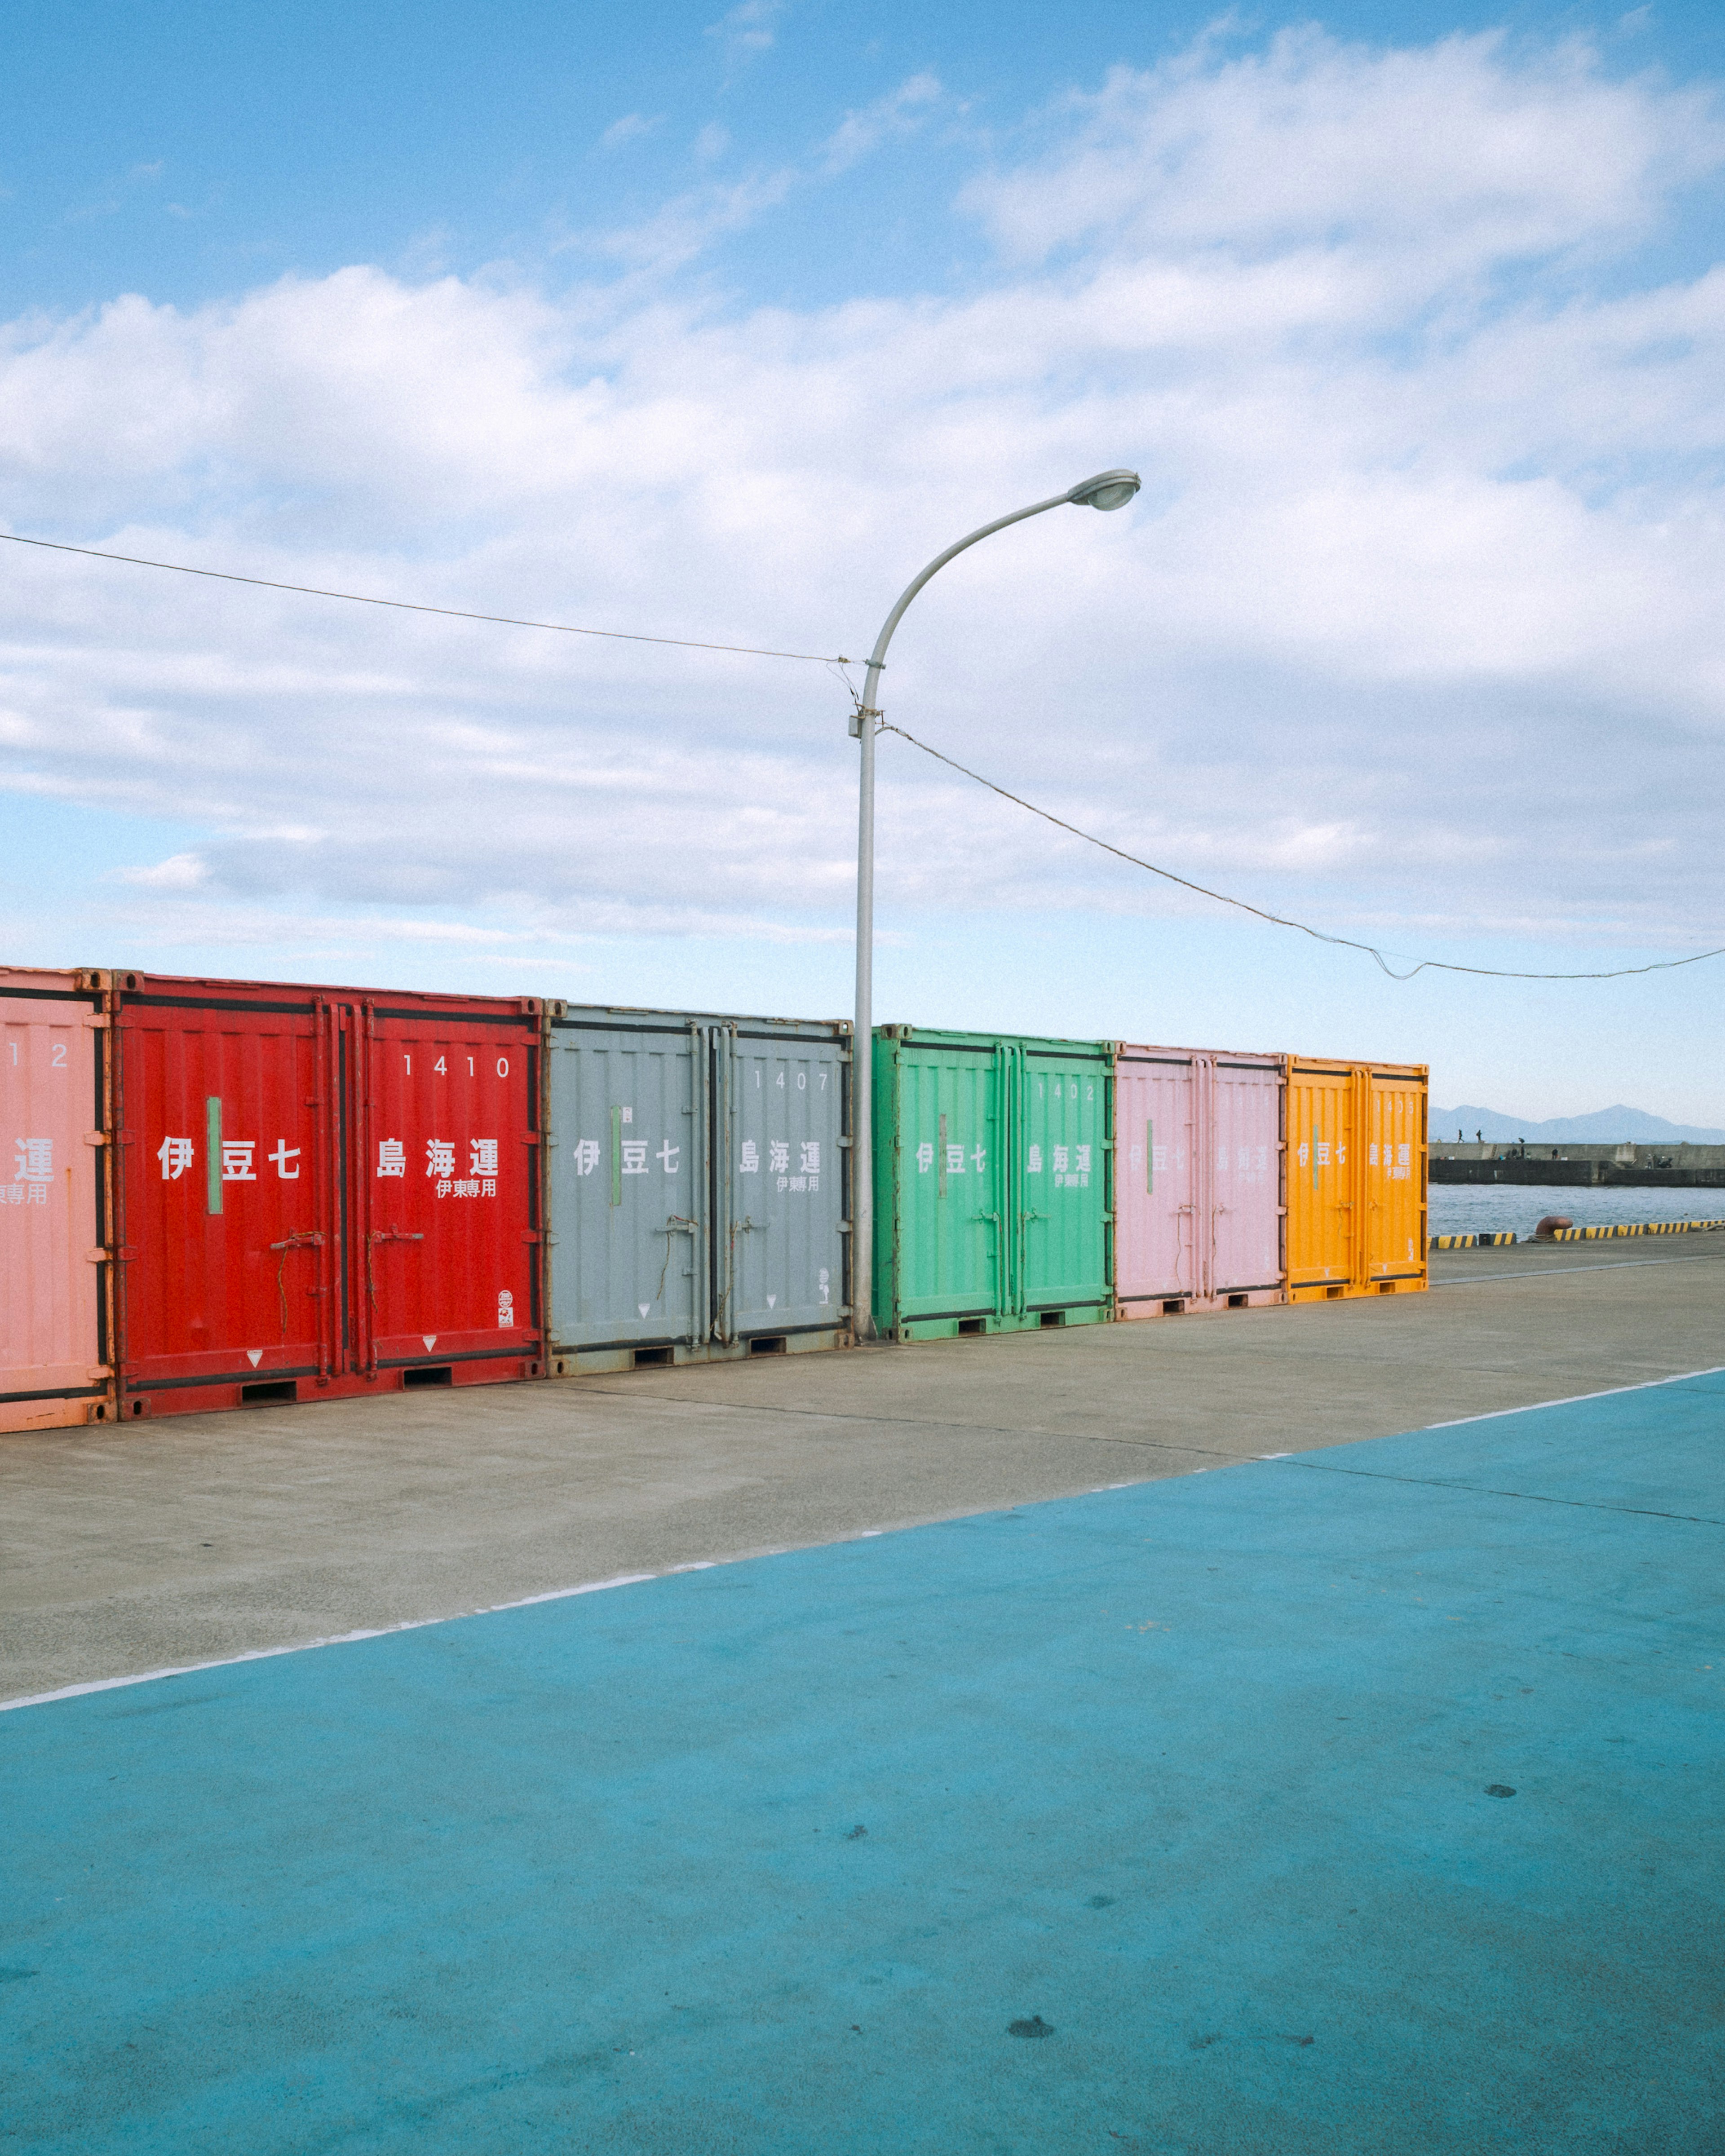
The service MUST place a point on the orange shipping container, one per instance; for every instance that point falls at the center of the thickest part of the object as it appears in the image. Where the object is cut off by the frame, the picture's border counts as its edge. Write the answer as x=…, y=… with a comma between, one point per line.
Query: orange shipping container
x=53, y=1211
x=1356, y=1179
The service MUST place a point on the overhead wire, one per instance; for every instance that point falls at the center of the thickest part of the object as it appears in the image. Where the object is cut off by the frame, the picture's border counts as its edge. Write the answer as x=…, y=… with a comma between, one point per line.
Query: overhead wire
x=1282, y=920
x=411, y=606
x=835, y=662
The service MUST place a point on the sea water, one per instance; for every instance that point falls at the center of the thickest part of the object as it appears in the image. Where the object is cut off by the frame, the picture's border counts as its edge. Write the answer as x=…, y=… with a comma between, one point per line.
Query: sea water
x=1462, y=1208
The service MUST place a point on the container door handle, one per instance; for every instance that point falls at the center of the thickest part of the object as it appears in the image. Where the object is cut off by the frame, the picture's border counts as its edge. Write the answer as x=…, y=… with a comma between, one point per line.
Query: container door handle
x=382, y=1235
x=301, y=1239
x=675, y=1225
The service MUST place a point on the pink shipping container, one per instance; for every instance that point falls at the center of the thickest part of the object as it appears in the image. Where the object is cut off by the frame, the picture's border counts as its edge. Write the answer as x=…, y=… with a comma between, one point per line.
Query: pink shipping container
x=1198, y=1181
x=54, y=1211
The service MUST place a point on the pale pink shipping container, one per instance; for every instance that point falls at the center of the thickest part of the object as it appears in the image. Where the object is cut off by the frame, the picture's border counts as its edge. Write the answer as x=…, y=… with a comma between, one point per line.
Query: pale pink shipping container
x=54, y=1257
x=1198, y=1163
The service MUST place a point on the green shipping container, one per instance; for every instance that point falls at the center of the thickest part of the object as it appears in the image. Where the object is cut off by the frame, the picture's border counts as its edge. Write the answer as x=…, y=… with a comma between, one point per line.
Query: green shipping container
x=994, y=1183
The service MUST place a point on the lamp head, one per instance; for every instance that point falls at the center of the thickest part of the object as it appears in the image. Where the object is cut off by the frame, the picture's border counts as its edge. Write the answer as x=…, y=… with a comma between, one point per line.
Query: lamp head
x=1108, y=490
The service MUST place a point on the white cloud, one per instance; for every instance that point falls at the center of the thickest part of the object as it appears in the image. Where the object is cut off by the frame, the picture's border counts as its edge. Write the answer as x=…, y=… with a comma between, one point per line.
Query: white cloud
x=1424, y=580
x=629, y=128
x=900, y=112
x=178, y=872
x=748, y=27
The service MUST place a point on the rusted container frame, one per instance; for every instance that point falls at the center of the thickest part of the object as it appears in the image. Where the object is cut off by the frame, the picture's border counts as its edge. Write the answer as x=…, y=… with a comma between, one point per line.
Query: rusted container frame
x=336, y=1051
x=1354, y=1258
x=55, y=1367
x=1244, y=1287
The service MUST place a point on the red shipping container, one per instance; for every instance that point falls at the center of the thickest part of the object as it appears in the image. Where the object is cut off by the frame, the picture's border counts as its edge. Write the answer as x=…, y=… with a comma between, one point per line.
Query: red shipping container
x=53, y=1329
x=321, y=1192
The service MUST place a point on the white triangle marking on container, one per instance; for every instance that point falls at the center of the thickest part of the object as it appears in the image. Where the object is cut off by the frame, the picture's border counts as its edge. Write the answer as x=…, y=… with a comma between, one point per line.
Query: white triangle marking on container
x=771, y=1300
x=644, y=1307
x=255, y=1356
x=430, y=1340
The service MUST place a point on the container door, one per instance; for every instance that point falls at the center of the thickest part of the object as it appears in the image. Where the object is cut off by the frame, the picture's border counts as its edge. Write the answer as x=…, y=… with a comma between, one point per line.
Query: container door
x=1062, y=1145
x=628, y=1185
x=1245, y=1123
x=780, y=1264
x=939, y=1124
x=227, y=1178
x=445, y=1197
x=1395, y=1176
x=52, y=1333
x=1321, y=1177
x=1156, y=1172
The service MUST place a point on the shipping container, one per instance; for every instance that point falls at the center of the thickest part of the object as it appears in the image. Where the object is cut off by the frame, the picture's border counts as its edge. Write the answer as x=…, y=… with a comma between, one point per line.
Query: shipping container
x=321, y=1192
x=1355, y=1179
x=54, y=1368
x=1198, y=1181
x=993, y=1183
x=696, y=1187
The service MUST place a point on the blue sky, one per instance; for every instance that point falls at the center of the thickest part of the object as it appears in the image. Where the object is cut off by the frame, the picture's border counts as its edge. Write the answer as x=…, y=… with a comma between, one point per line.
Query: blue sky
x=719, y=324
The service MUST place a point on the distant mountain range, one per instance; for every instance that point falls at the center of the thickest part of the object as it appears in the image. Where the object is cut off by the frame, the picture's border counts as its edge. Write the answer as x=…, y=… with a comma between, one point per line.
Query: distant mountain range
x=1618, y=1125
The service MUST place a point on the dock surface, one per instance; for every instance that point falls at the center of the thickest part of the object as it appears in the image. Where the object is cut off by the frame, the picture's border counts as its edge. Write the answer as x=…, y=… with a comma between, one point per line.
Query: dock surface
x=1365, y=1798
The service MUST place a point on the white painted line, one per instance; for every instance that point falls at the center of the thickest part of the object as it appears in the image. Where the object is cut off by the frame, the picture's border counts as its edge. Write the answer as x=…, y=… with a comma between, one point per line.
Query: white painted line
x=1574, y=1399
x=341, y=1639
x=710, y=1564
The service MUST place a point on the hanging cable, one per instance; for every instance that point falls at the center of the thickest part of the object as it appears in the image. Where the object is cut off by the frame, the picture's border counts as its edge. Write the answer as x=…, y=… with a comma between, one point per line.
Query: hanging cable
x=408, y=605
x=1279, y=920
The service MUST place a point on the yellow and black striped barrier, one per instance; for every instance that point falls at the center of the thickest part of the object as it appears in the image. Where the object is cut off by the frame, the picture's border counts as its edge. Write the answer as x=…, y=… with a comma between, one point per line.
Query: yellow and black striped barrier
x=1636, y=1228
x=1584, y=1235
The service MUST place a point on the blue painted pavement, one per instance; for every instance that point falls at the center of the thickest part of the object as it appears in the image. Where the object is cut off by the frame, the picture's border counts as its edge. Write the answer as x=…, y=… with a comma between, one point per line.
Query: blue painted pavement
x=1189, y=1784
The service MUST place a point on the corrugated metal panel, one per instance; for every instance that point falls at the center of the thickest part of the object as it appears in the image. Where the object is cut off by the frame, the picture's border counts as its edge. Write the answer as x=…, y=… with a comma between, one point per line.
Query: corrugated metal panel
x=450, y=1221
x=1395, y=1176
x=1199, y=1182
x=941, y=1236
x=697, y=1182
x=1246, y=1203
x=992, y=1181
x=287, y=1189
x=54, y=1232
x=1356, y=1220
x=1062, y=1155
x=1323, y=1235
x=783, y=1193
x=1156, y=1233
x=628, y=1211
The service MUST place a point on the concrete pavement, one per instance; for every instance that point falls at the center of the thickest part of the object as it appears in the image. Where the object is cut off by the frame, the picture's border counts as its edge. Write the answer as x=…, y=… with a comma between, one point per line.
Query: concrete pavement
x=126, y=1550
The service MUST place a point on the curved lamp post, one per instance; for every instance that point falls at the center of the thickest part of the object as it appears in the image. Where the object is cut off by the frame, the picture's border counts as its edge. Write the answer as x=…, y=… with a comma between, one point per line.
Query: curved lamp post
x=1108, y=490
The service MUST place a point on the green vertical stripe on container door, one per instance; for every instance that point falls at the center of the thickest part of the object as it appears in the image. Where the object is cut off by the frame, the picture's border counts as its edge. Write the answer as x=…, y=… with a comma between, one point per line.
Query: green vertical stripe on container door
x=617, y=1156
x=212, y=1154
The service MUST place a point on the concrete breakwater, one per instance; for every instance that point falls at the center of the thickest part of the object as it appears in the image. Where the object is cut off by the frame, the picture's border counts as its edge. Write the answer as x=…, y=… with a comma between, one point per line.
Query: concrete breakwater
x=1589, y=1167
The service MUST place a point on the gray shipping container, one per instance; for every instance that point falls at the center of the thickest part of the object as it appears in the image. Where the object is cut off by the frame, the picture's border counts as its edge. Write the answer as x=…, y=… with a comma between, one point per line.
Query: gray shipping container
x=697, y=1187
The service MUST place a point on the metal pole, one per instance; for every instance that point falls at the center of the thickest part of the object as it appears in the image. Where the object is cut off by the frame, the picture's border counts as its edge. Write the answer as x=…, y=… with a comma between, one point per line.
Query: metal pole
x=863, y=725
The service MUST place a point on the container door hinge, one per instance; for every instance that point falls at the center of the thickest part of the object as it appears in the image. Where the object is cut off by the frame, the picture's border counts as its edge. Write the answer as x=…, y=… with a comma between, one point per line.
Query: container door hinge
x=530, y=1236
x=530, y=1138
x=97, y=1021
x=95, y=1138
x=843, y=1227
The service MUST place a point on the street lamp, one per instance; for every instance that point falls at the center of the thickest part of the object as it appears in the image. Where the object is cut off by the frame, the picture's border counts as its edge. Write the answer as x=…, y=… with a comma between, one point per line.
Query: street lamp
x=1108, y=490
